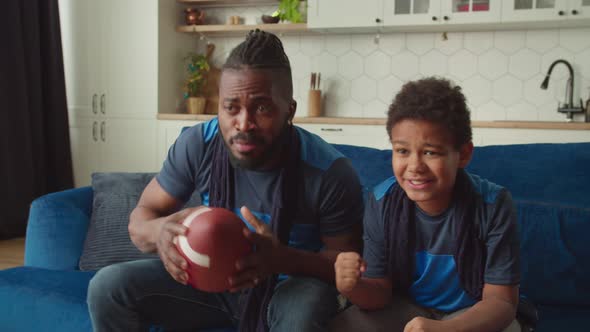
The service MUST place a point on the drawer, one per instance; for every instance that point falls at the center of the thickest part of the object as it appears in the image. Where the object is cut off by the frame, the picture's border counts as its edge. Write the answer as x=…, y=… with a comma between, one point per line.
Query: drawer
x=361, y=135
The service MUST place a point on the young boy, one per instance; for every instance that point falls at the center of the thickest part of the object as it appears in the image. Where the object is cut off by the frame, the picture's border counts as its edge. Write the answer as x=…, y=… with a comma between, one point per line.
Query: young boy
x=441, y=249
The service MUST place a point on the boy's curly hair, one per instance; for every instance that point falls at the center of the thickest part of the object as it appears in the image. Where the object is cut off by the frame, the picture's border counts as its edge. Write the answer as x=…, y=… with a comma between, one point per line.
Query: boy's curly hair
x=436, y=100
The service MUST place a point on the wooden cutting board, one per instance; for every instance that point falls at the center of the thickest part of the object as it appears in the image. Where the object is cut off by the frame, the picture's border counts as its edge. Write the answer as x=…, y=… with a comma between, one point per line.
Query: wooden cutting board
x=212, y=86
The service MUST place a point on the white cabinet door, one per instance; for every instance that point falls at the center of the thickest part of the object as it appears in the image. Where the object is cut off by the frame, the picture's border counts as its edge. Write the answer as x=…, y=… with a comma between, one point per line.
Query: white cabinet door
x=534, y=10
x=503, y=136
x=471, y=11
x=128, y=145
x=85, y=146
x=96, y=43
x=74, y=36
x=112, y=145
x=579, y=9
x=344, y=14
x=168, y=132
x=131, y=61
x=411, y=12
x=360, y=135
x=435, y=12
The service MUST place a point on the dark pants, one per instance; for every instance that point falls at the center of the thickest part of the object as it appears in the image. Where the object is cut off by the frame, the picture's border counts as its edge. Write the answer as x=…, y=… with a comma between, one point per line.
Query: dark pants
x=392, y=318
x=132, y=296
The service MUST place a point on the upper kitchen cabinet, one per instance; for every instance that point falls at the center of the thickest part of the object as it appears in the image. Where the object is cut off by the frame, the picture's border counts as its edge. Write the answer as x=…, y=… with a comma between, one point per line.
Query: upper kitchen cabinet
x=436, y=12
x=130, y=51
x=110, y=52
x=545, y=10
x=335, y=14
x=123, y=58
x=123, y=63
x=123, y=52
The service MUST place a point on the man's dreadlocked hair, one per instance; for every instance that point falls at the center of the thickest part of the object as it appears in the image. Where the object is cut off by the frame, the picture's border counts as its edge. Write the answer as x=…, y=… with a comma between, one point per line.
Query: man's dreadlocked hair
x=261, y=50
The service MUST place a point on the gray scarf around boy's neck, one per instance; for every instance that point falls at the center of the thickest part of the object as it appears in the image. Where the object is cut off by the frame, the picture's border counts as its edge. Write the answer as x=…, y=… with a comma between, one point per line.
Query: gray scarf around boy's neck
x=400, y=237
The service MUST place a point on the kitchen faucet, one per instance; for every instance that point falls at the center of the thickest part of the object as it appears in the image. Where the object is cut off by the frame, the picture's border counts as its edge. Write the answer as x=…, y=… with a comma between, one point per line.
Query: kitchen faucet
x=568, y=107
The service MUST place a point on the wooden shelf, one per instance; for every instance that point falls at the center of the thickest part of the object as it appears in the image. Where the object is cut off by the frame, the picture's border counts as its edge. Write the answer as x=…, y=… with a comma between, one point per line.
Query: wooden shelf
x=241, y=29
x=381, y=122
x=226, y=3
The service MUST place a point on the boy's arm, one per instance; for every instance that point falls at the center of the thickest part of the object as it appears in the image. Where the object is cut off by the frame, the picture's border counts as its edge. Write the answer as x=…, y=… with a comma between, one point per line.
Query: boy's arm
x=495, y=311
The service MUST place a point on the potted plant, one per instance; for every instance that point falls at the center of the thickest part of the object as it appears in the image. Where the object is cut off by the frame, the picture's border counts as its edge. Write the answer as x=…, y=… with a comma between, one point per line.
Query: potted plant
x=197, y=67
x=294, y=11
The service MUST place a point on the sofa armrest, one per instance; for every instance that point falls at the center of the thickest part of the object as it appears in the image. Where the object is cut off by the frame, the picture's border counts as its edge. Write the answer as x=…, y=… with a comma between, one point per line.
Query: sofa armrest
x=57, y=229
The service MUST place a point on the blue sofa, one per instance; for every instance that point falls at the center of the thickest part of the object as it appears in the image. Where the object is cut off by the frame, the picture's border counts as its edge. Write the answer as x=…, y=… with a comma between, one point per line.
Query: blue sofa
x=549, y=183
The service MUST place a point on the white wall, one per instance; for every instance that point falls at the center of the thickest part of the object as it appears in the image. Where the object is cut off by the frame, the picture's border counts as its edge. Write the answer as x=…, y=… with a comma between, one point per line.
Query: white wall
x=500, y=71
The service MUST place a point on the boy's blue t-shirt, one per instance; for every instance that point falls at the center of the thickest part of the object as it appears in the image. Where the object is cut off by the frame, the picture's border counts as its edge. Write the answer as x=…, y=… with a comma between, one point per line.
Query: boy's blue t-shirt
x=435, y=279
x=330, y=197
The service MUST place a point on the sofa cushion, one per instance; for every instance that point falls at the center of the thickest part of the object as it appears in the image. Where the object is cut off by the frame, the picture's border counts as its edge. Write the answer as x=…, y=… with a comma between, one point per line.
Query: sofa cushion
x=37, y=299
x=555, y=255
x=563, y=318
x=373, y=166
x=115, y=196
x=107, y=241
x=556, y=173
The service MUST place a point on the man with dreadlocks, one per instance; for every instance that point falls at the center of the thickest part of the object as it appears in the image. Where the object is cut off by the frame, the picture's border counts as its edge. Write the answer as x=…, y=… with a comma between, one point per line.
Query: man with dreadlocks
x=299, y=197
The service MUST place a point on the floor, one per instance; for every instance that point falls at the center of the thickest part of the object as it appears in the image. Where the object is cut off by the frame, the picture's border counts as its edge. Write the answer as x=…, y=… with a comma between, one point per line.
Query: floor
x=12, y=253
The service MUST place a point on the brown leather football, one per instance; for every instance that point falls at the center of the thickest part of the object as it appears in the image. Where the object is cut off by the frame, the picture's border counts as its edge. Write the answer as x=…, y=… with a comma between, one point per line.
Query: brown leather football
x=212, y=245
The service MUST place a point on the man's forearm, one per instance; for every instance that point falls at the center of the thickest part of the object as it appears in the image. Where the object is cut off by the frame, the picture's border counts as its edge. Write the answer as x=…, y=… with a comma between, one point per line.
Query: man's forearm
x=370, y=294
x=144, y=226
x=493, y=314
x=299, y=262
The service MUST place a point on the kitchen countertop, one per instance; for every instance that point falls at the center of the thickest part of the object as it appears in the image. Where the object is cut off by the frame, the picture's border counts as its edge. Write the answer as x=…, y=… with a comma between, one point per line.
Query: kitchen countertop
x=381, y=121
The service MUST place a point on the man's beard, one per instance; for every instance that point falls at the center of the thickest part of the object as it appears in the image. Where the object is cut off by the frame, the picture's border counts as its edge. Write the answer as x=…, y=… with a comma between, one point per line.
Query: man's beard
x=271, y=152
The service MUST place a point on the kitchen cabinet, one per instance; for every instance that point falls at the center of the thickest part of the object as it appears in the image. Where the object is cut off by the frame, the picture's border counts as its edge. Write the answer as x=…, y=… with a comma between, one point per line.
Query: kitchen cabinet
x=113, y=145
x=122, y=61
x=360, y=135
x=111, y=57
x=122, y=47
x=399, y=13
x=84, y=143
x=344, y=14
x=453, y=15
x=375, y=136
x=371, y=131
x=504, y=136
x=437, y=12
x=168, y=131
x=545, y=10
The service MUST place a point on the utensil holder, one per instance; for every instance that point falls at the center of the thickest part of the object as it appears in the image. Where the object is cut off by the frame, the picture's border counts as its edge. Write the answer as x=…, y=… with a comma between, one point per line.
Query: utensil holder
x=314, y=107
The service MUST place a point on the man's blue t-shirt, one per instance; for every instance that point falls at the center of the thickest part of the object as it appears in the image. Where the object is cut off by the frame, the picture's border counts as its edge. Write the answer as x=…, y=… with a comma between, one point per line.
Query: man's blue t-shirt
x=329, y=199
x=435, y=279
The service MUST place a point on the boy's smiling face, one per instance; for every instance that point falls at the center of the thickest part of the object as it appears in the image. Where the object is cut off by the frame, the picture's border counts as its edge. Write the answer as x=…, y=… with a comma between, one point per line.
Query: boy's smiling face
x=425, y=162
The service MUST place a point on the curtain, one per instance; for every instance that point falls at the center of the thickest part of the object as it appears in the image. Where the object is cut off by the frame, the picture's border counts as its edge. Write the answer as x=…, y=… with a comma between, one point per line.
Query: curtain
x=35, y=154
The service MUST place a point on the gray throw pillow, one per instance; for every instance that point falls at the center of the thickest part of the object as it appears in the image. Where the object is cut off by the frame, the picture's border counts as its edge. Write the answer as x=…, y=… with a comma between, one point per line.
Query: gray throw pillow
x=107, y=240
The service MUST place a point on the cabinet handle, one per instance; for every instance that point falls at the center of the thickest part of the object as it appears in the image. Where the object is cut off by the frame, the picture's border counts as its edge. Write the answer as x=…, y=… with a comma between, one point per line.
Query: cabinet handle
x=561, y=13
x=446, y=18
x=103, y=103
x=94, y=127
x=331, y=129
x=94, y=97
x=434, y=18
x=377, y=20
x=574, y=12
x=103, y=131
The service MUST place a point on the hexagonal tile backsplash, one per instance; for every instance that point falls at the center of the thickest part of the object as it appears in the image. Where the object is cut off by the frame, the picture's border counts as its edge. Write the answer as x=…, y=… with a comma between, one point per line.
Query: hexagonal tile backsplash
x=500, y=72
